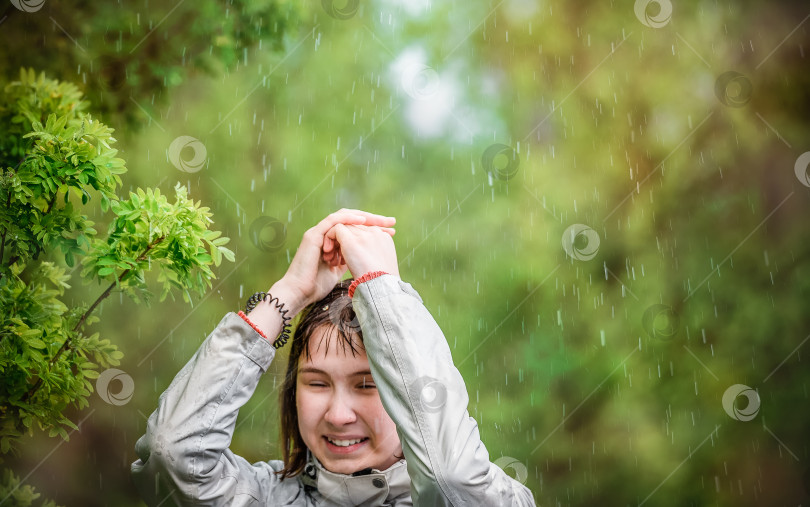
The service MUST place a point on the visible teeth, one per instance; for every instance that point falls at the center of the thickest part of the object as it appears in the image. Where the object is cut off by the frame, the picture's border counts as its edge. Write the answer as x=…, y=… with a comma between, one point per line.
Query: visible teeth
x=344, y=443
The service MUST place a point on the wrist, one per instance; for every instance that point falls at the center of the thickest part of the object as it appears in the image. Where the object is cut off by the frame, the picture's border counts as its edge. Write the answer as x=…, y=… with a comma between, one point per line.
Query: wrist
x=360, y=269
x=270, y=313
x=370, y=275
x=292, y=299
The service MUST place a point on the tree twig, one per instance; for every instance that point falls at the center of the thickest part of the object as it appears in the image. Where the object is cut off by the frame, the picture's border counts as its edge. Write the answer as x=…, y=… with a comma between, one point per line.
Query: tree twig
x=5, y=230
x=51, y=203
x=68, y=342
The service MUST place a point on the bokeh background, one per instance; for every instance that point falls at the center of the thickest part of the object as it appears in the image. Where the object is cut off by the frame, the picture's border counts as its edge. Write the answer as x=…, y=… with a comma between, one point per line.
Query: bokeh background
x=603, y=204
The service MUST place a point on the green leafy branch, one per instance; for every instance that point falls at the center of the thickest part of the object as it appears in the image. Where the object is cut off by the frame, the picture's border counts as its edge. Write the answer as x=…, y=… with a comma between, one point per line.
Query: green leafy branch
x=56, y=162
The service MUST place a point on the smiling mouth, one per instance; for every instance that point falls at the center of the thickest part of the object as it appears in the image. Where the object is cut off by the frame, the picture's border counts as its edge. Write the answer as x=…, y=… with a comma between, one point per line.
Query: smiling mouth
x=345, y=445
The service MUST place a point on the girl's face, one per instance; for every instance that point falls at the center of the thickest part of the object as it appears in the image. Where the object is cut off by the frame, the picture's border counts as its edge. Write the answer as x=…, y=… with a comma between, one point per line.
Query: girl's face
x=340, y=414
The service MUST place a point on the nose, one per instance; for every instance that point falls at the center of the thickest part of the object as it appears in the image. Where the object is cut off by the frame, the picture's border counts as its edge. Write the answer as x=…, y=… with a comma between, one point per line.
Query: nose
x=341, y=410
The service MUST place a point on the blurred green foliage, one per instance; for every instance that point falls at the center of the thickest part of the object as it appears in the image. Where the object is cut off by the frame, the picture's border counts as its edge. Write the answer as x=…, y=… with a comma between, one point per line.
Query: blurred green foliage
x=126, y=53
x=615, y=125
x=20, y=495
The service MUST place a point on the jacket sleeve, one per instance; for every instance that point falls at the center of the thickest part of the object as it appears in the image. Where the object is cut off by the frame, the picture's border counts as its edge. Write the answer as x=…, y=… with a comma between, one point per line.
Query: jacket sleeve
x=184, y=454
x=425, y=395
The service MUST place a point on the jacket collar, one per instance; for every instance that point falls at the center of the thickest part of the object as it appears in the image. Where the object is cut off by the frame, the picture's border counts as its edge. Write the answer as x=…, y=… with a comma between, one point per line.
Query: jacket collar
x=367, y=487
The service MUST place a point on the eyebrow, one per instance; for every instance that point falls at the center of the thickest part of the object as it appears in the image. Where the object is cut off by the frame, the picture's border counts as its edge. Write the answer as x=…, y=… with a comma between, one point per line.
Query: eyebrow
x=310, y=369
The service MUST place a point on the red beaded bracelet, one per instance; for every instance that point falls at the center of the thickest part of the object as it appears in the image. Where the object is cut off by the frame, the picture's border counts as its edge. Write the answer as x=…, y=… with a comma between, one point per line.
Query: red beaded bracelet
x=251, y=324
x=368, y=276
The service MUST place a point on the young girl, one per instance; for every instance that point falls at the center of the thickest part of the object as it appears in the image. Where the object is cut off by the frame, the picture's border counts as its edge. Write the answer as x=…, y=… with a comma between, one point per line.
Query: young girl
x=373, y=411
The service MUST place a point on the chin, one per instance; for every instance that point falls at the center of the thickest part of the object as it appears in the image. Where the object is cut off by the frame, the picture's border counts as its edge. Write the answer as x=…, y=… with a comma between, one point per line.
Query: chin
x=345, y=466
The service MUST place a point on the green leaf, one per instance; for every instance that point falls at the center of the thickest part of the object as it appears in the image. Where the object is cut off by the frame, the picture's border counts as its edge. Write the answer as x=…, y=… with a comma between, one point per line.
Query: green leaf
x=228, y=254
x=35, y=343
x=29, y=334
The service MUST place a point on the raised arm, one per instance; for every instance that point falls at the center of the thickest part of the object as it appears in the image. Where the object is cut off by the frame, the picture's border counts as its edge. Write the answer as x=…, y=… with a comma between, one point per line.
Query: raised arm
x=184, y=455
x=419, y=385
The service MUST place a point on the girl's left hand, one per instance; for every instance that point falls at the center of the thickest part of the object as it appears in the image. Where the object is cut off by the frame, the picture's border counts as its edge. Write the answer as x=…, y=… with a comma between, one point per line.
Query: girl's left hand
x=317, y=265
x=365, y=248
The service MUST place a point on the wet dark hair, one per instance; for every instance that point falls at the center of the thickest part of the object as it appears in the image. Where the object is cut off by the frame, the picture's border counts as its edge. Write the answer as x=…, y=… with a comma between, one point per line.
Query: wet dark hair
x=335, y=313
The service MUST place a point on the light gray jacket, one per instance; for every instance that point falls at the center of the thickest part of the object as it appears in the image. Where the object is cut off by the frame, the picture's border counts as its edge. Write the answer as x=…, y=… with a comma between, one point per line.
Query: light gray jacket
x=184, y=455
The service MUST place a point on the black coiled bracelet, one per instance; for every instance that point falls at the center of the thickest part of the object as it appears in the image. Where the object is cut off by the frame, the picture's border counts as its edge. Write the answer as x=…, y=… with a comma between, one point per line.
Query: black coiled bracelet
x=285, y=329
